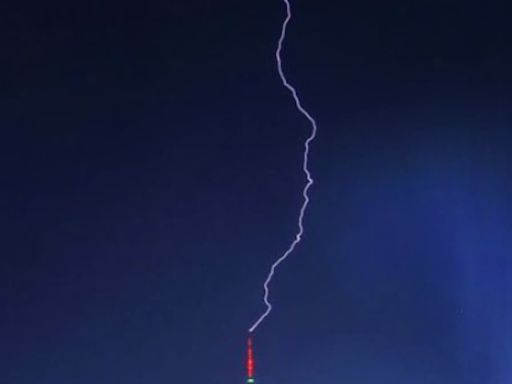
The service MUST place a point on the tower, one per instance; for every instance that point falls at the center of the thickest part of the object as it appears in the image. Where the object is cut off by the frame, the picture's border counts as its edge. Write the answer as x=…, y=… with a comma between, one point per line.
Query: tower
x=250, y=362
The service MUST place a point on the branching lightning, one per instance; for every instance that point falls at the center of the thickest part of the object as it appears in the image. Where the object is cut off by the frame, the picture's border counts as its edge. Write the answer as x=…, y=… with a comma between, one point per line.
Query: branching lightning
x=305, y=167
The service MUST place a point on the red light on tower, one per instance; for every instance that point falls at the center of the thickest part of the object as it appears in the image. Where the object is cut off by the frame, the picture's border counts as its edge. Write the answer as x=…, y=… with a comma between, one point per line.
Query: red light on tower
x=250, y=362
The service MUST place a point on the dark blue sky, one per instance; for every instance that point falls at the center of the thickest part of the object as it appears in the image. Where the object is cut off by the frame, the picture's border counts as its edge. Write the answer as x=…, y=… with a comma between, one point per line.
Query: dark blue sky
x=150, y=164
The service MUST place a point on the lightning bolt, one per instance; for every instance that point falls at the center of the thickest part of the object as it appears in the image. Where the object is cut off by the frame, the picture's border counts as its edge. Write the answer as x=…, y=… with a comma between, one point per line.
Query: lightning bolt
x=305, y=167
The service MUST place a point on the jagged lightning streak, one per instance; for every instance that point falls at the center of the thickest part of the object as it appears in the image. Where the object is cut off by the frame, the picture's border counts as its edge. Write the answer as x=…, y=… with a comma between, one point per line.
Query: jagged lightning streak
x=305, y=167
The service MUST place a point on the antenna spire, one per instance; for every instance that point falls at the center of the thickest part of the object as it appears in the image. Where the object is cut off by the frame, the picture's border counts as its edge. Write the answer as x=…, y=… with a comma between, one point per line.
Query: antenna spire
x=250, y=362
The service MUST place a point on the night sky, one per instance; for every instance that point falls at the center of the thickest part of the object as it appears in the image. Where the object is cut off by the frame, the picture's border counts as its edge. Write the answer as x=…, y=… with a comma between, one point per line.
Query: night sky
x=150, y=174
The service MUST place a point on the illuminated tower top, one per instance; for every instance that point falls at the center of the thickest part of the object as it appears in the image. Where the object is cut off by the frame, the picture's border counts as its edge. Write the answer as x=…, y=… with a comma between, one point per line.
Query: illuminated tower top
x=250, y=362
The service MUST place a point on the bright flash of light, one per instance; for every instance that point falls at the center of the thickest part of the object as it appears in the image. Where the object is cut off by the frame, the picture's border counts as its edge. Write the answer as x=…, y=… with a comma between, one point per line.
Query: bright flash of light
x=305, y=168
